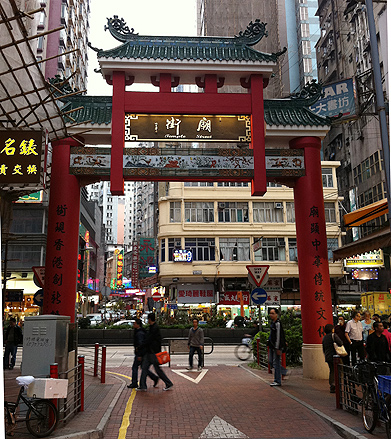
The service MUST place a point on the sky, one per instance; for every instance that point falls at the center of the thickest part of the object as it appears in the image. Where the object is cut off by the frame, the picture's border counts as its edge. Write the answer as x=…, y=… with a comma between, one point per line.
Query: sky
x=147, y=17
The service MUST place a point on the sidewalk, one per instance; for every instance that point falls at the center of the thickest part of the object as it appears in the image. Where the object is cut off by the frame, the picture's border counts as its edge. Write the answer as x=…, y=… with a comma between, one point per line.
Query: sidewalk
x=233, y=396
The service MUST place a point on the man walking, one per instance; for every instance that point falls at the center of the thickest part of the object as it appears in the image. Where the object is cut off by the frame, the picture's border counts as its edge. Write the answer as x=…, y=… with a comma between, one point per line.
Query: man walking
x=139, y=351
x=13, y=337
x=196, y=343
x=377, y=344
x=152, y=347
x=276, y=343
x=354, y=335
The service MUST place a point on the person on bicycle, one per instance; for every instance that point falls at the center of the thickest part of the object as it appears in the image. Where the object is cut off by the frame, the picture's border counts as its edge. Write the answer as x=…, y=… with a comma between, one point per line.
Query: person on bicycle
x=377, y=344
x=195, y=343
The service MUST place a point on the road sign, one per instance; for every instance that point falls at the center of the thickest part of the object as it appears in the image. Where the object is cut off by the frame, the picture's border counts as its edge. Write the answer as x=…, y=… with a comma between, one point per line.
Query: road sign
x=38, y=297
x=257, y=273
x=156, y=296
x=258, y=296
x=40, y=275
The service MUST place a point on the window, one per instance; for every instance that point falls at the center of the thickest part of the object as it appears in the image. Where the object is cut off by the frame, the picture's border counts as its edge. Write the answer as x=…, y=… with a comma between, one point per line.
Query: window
x=173, y=243
x=232, y=184
x=292, y=247
x=203, y=249
x=40, y=44
x=303, y=13
x=234, y=249
x=329, y=212
x=332, y=244
x=162, y=250
x=175, y=212
x=304, y=30
x=267, y=213
x=23, y=256
x=290, y=212
x=327, y=177
x=306, y=47
x=230, y=212
x=273, y=249
x=199, y=212
x=198, y=183
x=307, y=65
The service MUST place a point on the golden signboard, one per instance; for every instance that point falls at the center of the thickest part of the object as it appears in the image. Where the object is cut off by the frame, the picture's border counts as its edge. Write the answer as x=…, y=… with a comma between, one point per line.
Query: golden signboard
x=370, y=259
x=20, y=156
x=187, y=128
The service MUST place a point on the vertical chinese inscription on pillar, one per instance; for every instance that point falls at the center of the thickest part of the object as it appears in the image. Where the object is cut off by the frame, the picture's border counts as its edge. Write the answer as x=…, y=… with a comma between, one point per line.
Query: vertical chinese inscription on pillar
x=318, y=276
x=57, y=262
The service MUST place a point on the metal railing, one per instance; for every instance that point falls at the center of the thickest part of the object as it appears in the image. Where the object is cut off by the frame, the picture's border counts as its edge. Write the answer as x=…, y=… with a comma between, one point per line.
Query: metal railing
x=95, y=360
x=262, y=357
x=348, y=390
x=178, y=346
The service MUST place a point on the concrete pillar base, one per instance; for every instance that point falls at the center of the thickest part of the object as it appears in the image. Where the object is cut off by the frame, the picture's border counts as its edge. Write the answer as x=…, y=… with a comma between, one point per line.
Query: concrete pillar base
x=314, y=365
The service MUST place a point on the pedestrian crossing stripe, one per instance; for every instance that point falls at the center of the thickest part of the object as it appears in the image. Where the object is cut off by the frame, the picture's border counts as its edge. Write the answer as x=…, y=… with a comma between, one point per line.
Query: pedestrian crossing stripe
x=184, y=373
x=217, y=427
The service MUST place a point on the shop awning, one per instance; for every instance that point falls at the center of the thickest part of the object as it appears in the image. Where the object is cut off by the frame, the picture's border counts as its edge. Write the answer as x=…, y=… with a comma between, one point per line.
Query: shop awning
x=379, y=239
x=365, y=214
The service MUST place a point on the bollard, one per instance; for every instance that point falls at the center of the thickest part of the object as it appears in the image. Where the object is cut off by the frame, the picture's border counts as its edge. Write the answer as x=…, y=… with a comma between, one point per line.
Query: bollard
x=54, y=374
x=96, y=359
x=336, y=362
x=283, y=365
x=103, y=366
x=269, y=369
x=80, y=360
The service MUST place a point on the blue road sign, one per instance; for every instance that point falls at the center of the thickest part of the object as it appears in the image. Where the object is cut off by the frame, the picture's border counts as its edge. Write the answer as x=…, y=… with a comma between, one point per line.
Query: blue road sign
x=258, y=296
x=38, y=297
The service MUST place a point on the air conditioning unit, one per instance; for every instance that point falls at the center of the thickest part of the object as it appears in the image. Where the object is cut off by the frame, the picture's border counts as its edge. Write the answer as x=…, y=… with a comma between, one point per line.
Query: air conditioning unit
x=221, y=205
x=278, y=205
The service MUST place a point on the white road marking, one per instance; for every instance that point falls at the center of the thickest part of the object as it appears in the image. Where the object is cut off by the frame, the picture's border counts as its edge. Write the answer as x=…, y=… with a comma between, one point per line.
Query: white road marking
x=183, y=373
x=218, y=428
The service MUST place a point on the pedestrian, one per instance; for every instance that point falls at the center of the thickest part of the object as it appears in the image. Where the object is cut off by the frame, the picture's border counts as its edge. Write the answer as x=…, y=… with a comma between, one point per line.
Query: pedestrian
x=328, y=349
x=354, y=333
x=376, y=318
x=367, y=325
x=195, y=343
x=387, y=333
x=139, y=351
x=339, y=330
x=13, y=337
x=277, y=345
x=152, y=346
x=377, y=344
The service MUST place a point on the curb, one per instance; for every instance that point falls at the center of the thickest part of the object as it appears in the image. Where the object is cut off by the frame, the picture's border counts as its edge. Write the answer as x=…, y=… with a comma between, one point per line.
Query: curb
x=343, y=430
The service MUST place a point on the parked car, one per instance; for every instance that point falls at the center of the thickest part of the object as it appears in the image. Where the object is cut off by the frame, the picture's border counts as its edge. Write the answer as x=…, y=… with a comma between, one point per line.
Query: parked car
x=95, y=319
x=124, y=322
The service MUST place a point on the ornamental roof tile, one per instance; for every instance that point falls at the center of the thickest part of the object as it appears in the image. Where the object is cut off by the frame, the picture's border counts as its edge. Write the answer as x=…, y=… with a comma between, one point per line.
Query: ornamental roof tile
x=279, y=112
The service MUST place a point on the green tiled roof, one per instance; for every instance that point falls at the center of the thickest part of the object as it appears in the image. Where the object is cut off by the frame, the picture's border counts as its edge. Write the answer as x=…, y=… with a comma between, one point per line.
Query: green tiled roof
x=187, y=48
x=279, y=112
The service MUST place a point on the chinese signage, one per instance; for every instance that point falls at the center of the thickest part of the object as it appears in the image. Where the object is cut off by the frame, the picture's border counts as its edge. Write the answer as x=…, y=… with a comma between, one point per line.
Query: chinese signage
x=273, y=299
x=119, y=255
x=370, y=259
x=20, y=156
x=339, y=97
x=135, y=262
x=147, y=256
x=195, y=293
x=183, y=256
x=231, y=298
x=160, y=164
x=35, y=197
x=184, y=128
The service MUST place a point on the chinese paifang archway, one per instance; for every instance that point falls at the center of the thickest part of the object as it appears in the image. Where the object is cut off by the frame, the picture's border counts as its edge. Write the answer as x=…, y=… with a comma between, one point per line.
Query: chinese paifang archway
x=277, y=137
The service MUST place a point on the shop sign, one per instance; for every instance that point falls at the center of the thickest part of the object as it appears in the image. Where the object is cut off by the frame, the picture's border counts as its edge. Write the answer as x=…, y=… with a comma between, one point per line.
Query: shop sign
x=231, y=298
x=147, y=256
x=196, y=293
x=14, y=295
x=35, y=197
x=273, y=284
x=20, y=156
x=187, y=128
x=183, y=256
x=370, y=259
x=365, y=274
x=273, y=299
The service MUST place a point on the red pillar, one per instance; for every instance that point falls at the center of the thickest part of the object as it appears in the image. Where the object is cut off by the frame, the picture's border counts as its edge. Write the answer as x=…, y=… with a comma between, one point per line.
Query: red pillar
x=118, y=134
x=63, y=234
x=258, y=184
x=314, y=277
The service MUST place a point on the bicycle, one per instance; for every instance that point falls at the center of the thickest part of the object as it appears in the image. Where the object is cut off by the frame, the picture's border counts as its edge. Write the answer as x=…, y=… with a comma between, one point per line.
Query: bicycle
x=376, y=400
x=41, y=416
x=244, y=350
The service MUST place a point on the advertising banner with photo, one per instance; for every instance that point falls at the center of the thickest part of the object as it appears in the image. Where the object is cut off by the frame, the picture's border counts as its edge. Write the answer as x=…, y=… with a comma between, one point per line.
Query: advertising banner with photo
x=196, y=293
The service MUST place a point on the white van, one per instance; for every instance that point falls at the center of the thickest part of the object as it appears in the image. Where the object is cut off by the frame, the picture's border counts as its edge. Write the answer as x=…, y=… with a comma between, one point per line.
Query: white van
x=96, y=319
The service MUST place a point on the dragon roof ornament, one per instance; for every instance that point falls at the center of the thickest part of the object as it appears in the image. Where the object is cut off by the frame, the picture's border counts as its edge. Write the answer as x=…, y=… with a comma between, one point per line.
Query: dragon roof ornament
x=253, y=34
x=119, y=30
x=309, y=94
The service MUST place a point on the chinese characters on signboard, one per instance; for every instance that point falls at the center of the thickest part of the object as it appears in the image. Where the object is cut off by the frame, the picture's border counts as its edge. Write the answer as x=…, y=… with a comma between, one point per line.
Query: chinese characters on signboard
x=120, y=267
x=231, y=298
x=183, y=256
x=135, y=262
x=20, y=157
x=195, y=293
x=147, y=256
x=202, y=128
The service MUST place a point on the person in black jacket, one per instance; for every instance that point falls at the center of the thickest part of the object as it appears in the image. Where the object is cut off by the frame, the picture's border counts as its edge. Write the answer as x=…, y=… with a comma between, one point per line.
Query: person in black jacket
x=329, y=351
x=152, y=346
x=139, y=351
x=277, y=345
x=13, y=337
x=377, y=344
